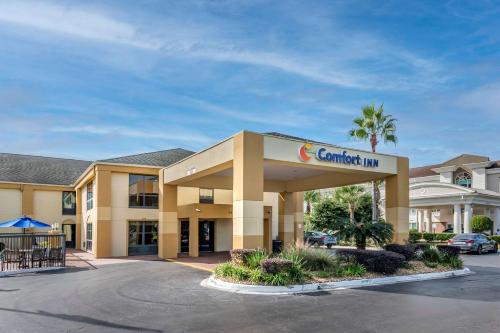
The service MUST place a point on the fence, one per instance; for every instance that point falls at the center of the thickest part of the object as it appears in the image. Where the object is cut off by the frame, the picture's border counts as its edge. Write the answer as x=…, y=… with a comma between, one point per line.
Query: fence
x=28, y=251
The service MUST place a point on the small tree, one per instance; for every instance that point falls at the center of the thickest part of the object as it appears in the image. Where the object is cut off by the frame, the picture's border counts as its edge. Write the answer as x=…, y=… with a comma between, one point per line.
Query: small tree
x=481, y=223
x=310, y=198
x=350, y=196
x=327, y=215
x=360, y=232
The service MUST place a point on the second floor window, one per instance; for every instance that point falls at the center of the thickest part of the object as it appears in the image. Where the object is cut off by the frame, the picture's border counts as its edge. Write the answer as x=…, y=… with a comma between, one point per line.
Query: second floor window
x=143, y=191
x=463, y=179
x=206, y=195
x=90, y=196
x=69, y=203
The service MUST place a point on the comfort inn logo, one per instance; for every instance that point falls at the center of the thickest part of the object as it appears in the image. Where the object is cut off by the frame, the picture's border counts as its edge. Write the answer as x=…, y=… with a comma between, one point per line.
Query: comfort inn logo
x=304, y=152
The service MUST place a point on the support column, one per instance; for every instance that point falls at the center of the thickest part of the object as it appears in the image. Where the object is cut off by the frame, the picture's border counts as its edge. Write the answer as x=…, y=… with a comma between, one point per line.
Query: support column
x=467, y=218
x=298, y=212
x=248, y=191
x=194, y=236
x=457, y=219
x=398, y=200
x=291, y=218
x=496, y=225
x=168, y=224
x=420, y=220
x=27, y=200
x=78, y=219
x=428, y=220
x=101, y=240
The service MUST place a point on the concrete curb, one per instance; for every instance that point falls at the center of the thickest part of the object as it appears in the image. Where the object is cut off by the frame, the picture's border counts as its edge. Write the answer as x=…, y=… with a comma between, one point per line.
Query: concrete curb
x=215, y=283
x=32, y=270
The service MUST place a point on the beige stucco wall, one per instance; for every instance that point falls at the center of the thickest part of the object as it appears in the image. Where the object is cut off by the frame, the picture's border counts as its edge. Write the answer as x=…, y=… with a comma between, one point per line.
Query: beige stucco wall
x=121, y=214
x=47, y=207
x=271, y=199
x=187, y=195
x=10, y=206
x=223, y=234
x=223, y=197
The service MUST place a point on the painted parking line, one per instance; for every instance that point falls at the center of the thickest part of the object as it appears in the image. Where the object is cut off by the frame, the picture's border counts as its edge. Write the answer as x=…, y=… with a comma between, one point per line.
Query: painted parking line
x=190, y=265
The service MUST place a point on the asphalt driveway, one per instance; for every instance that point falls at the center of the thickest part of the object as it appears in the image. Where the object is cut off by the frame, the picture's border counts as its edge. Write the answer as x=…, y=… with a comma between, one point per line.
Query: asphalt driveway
x=155, y=296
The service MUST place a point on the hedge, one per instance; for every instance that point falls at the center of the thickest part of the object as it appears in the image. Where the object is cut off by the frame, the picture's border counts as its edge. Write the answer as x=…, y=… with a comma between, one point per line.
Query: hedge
x=406, y=250
x=276, y=265
x=480, y=223
x=448, y=250
x=429, y=237
x=495, y=238
x=375, y=261
x=239, y=256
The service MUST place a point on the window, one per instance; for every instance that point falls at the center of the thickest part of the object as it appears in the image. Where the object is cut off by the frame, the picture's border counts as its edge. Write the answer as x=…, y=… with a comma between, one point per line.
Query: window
x=69, y=203
x=463, y=179
x=90, y=195
x=143, y=191
x=88, y=238
x=206, y=195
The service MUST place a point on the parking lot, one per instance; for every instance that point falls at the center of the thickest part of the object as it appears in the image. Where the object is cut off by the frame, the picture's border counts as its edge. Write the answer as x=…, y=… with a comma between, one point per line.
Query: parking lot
x=157, y=296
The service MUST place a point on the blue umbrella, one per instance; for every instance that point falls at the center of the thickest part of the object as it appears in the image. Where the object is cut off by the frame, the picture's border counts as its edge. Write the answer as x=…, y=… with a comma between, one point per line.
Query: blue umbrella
x=24, y=222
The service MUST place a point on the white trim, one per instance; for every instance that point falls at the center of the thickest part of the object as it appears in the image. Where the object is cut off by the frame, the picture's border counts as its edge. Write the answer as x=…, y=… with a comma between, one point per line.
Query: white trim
x=215, y=283
x=37, y=184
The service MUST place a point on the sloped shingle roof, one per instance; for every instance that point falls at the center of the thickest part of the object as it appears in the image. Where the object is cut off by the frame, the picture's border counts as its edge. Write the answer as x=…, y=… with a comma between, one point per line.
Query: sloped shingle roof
x=161, y=158
x=426, y=170
x=40, y=170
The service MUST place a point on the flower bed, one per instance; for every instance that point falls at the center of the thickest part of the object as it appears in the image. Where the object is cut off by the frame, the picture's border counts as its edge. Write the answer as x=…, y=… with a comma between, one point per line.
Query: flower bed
x=308, y=265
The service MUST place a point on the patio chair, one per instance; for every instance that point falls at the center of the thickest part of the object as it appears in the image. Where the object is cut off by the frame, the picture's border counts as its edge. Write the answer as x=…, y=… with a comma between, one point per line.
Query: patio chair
x=38, y=256
x=11, y=258
x=55, y=255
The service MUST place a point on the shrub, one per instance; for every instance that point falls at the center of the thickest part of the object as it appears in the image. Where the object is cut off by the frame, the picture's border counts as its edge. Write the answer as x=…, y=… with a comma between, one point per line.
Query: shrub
x=353, y=269
x=276, y=265
x=239, y=256
x=495, y=238
x=252, y=260
x=448, y=250
x=431, y=255
x=406, y=250
x=431, y=264
x=374, y=261
x=429, y=237
x=453, y=262
x=481, y=223
x=310, y=259
x=232, y=271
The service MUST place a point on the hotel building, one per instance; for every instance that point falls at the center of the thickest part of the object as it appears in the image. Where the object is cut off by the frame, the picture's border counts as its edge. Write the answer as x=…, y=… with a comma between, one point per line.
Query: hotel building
x=242, y=192
x=446, y=196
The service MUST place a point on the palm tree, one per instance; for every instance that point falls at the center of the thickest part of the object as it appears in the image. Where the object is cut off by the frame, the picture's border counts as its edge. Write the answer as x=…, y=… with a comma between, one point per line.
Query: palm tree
x=380, y=233
x=374, y=126
x=351, y=197
x=310, y=197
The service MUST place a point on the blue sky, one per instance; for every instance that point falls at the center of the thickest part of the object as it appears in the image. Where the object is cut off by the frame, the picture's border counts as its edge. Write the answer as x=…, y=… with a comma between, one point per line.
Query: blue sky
x=97, y=79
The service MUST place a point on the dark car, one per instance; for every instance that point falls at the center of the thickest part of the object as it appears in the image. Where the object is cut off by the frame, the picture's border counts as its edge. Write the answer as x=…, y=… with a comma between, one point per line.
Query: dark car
x=450, y=230
x=477, y=243
x=319, y=238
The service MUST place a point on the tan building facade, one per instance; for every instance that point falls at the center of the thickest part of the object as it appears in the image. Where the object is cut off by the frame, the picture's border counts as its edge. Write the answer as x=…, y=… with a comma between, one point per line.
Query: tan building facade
x=243, y=192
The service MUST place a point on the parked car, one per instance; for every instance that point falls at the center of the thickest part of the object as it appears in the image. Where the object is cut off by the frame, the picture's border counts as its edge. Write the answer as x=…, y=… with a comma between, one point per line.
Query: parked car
x=474, y=242
x=319, y=238
x=450, y=230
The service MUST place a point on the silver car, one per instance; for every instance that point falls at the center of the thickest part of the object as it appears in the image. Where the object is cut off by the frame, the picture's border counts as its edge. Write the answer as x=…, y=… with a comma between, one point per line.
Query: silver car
x=477, y=243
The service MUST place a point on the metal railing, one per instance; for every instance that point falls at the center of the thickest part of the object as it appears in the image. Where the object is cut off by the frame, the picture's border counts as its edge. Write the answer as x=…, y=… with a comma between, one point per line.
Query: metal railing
x=20, y=252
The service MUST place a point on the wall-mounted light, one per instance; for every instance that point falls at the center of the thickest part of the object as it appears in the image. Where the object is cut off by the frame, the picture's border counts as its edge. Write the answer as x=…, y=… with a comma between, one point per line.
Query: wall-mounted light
x=197, y=209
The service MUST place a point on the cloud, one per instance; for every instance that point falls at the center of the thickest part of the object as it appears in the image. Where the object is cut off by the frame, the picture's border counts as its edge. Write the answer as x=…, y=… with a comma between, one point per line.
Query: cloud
x=485, y=99
x=124, y=131
x=205, y=40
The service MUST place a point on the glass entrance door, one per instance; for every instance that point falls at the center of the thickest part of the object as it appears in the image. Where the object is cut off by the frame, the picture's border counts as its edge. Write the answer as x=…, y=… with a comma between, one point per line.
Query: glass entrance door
x=206, y=236
x=70, y=231
x=142, y=237
x=184, y=236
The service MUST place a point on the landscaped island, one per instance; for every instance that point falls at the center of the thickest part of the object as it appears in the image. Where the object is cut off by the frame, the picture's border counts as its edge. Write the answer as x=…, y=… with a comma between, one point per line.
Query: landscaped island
x=300, y=265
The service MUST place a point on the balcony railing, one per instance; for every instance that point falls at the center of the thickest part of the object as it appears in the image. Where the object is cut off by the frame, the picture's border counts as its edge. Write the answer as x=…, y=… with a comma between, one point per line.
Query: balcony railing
x=20, y=252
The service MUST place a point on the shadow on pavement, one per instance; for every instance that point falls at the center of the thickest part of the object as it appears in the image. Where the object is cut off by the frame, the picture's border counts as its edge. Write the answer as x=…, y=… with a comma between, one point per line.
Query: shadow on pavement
x=81, y=319
x=483, y=286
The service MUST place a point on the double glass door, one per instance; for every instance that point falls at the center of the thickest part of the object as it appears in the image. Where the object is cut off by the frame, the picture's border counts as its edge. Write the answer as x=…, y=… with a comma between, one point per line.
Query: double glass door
x=142, y=237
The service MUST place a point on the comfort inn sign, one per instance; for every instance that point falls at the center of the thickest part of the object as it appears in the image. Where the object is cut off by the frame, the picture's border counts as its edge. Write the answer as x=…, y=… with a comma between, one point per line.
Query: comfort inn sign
x=306, y=152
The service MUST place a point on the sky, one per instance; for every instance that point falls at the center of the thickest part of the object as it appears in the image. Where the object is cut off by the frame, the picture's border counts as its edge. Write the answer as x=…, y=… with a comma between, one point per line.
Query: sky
x=99, y=79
